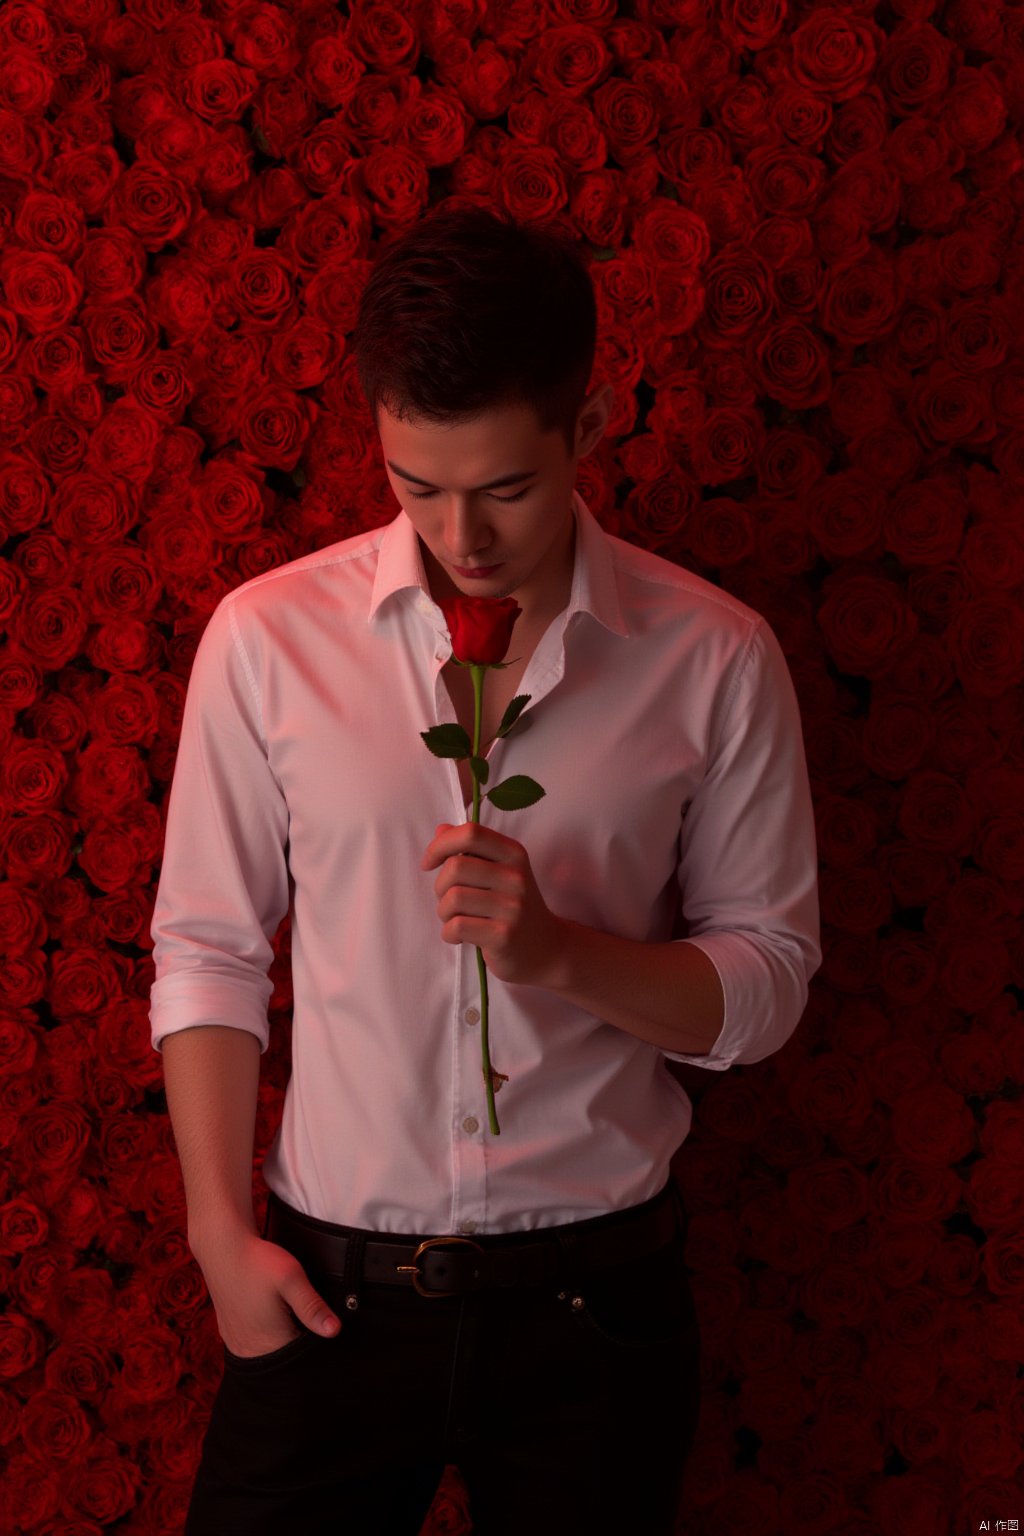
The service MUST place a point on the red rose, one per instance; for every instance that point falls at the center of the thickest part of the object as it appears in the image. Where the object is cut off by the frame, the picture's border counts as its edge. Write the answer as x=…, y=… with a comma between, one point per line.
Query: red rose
x=947, y=409
x=1004, y=1263
x=111, y=264
x=229, y=499
x=163, y=385
x=985, y=638
x=8, y=338
x=218, y=90
x=261, y=291
x=175, y=464
x=23, y=146
x=178, y=544
x=300, y=355
x=910, y=1189
x=274, y=426
x=120, y=335
x=793, y=363
x=42, y=291
x=282, y=114
x=54, y=361
x=930, y=1123
x=23, y=493
x=267, y=198
x=862, y=300
x=46, y=222
x=51, y=630
x=321, y=157
x=181, y=299
x=35, y=774
x=331, y=70
x=774, y=1404
x=81, y=403
x=737, y=295
x=480, y=627
x=177, y=143
x=214, y=242
x=994, y=1196
x=83, y=979
x=156, y=207
x=321, y=232
x=88, y=177
x=215, y=413
x=331, y=295
x=865, y=621
x=17, y=407
x=835, y=53
x=22, y=932
x=727, y=446
x=226, y=166
x=1002, y=1135
x=914, y=67
x=831, y=1193
x=59, y=444
x=229, y=360
x=101, y=1483
x=264, y=40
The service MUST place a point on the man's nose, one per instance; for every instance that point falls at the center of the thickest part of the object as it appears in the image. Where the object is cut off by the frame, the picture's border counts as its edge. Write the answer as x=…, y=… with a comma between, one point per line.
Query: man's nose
x=464, y=534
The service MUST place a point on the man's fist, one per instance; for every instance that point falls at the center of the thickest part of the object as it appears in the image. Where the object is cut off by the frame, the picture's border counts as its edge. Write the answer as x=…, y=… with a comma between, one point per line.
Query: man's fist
x=487, y=896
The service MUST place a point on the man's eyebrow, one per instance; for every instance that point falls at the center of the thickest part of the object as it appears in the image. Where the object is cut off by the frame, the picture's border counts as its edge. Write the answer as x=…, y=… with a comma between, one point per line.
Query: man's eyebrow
x=490, y=486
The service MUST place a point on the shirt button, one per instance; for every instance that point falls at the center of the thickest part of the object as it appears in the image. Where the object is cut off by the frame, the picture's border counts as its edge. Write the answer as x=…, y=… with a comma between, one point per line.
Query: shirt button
x=467, y=1226
x=471, y=1124
x=472, y=1016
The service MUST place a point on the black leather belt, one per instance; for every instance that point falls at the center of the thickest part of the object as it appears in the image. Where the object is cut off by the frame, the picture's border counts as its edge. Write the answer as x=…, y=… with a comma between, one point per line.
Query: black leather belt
x=449, y=1265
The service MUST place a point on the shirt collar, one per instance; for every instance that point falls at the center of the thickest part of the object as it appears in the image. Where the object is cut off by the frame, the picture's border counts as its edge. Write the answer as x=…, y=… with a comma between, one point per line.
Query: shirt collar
x=595, y=589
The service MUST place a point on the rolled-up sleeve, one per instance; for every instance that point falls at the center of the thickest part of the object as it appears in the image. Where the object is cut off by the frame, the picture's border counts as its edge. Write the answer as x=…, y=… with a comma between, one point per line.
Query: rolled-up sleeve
x=748, y=864
x=223, y=885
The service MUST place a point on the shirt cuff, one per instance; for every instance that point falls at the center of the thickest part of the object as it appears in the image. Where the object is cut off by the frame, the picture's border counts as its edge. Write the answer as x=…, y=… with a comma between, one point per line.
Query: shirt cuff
x=180, y=1002
x=753, y=1026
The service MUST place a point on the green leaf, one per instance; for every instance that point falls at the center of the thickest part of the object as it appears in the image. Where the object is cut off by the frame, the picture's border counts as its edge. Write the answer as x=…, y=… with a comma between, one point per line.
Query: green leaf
x=515, y=793
x=481, y=768
x=513, y=712
x=448, y=740
x=501, y=665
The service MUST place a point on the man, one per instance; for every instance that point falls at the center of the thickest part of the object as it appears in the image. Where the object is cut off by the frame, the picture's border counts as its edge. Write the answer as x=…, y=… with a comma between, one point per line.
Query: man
x=548, y=1345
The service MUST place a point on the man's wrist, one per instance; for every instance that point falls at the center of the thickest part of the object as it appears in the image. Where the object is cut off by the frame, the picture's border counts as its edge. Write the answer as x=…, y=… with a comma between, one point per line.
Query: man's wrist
x=216, y=1233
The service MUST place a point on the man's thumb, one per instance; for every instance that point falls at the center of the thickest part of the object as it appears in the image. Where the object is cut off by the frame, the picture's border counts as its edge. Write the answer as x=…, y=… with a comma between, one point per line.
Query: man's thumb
x=317, y=1315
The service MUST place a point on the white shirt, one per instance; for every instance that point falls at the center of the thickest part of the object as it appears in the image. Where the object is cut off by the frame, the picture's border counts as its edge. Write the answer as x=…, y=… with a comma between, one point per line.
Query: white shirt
x=664, y=728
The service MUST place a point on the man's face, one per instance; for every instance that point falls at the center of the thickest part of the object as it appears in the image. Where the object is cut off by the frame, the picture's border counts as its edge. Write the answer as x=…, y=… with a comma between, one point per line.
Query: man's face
x=524, y=527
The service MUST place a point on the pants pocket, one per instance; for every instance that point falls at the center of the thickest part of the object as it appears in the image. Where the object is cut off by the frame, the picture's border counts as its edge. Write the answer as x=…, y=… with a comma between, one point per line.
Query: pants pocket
x=283, y=1355
x=645, y=1303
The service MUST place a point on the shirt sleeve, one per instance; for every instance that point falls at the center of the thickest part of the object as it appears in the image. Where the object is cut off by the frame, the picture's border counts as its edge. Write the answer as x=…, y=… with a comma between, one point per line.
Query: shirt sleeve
x=224, y=880
x=748, y=862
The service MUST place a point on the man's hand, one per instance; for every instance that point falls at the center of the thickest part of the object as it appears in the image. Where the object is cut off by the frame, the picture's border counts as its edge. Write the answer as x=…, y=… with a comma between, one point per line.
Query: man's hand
x=261, y=1294
x=487, y=896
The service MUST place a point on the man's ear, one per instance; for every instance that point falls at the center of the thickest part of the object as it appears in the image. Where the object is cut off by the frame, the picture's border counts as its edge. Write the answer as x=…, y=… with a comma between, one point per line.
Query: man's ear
x=593, y=419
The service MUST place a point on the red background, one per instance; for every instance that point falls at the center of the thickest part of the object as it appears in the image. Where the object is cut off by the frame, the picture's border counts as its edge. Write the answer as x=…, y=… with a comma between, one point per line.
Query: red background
x=805, y=233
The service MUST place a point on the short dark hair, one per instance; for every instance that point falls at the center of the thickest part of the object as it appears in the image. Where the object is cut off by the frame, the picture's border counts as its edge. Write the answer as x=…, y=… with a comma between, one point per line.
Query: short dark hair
x=471, y=311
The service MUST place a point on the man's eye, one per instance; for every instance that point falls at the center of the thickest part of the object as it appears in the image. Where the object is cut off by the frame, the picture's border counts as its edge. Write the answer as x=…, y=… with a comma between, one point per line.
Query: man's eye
x=422, y=495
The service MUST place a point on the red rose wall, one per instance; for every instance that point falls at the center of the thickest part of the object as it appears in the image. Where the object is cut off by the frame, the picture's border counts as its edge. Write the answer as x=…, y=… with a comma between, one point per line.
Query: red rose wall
x=805, y=230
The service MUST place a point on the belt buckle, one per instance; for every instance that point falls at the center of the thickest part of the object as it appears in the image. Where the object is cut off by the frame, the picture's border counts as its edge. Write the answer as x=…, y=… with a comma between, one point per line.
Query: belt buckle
x=414, y=1270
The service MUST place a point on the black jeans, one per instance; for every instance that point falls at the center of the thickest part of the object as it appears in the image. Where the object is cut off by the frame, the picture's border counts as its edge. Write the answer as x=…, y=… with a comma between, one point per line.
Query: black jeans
x=559, y=1418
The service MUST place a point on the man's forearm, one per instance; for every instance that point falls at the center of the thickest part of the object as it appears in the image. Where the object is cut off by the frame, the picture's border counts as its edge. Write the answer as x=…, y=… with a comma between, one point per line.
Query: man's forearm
x=211, y=1078
x=667, y=994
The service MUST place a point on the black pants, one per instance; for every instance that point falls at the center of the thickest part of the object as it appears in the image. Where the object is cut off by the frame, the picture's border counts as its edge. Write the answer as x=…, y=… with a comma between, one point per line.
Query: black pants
x=559, y=1418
